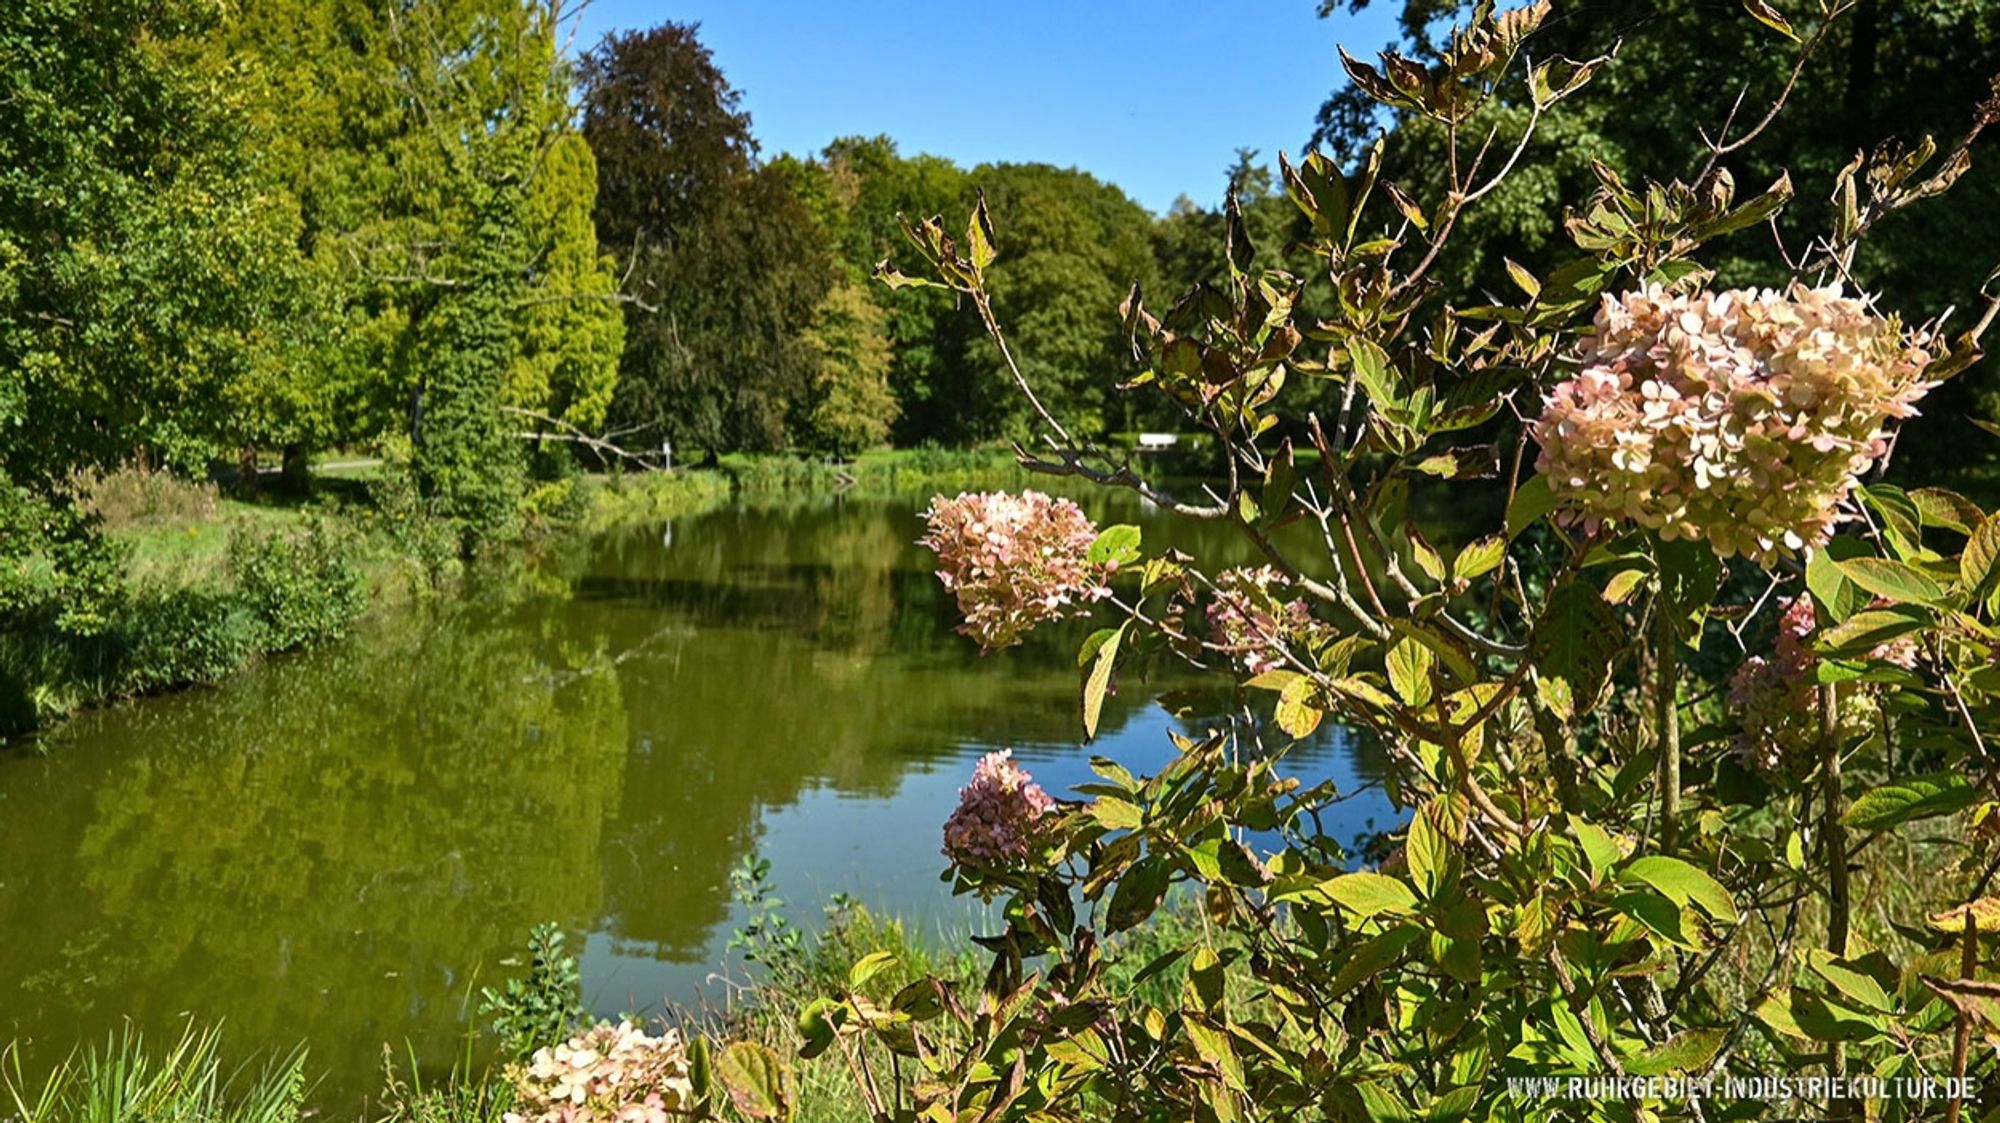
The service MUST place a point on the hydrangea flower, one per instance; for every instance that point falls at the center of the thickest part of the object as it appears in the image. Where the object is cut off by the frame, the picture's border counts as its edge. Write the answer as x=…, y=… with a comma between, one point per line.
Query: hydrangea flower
x=1014, y=561
x=1250, y=620
x=606, y=1074
x=1743, y=418
x=994, y=823
x=1776, y=699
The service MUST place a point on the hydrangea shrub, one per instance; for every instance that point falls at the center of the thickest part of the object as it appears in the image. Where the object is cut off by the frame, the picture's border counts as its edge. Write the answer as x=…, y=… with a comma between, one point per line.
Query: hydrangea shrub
x=1657, y=724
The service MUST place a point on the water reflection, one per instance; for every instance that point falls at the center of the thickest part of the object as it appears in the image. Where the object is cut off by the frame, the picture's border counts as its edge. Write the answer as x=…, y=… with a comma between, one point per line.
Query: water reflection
x=332, y=847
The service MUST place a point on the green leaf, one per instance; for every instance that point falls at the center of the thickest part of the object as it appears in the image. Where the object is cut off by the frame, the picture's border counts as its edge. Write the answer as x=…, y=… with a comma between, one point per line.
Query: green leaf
x=1382, y=1105
x=1690, y=576
x=1838, y=597
x=1599, y=848
x=1575, y=641
x=979, y=236
x=1523, y=278
x=758, y=1082
x=1410, y=664
x=1116, y=814
x=1138, y=895
x=1118, y=544
x=1429, y=851
x=869, y=966
x=1942, y=507
x=1533, y=499
x=1213, y=1046
x=1479, y=557
x=1683, y=1052
x=1098, y=680
x=1427, y=559
x=1892, y=579
x=1977, y=999
x=1865, y=631
x=1298, y=713
x=1976, y=565
x=1683, y=884
x=1371, y=367
x=1370, y=894
x=1854, y=984
x=1372, y=957
x=1909, y=799
x=816, y=1027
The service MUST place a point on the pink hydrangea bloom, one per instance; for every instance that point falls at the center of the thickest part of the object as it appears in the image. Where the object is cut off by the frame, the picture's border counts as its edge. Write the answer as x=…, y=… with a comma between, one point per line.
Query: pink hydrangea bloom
x=606, y=1074
x=1743, y=418
x=1776, y=699
x=996, y=814
x=1251, y=620
x=1014, y=561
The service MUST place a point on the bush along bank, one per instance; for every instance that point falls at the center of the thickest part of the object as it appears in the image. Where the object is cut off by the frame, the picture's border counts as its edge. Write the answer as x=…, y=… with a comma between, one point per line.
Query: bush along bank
x=280, y=589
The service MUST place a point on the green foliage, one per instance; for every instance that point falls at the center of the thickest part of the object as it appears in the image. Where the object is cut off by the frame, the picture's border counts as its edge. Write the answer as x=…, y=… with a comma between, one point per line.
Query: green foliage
x=543, y=1007
x=1883, y=79
x=153, y=295
x=188, y=637
x=766, y=938
x=304, y=588
x=123, y=1081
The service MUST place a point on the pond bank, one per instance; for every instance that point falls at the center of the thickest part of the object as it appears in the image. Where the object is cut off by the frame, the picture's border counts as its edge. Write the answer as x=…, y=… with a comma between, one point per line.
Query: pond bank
x=206, y=586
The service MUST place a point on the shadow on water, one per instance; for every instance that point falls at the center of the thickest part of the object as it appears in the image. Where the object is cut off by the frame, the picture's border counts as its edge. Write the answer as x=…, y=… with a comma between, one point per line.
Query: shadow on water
x=340, y=848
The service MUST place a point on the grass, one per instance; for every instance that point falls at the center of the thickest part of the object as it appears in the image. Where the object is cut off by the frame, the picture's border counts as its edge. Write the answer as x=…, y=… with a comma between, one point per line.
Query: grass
x=124, y=1082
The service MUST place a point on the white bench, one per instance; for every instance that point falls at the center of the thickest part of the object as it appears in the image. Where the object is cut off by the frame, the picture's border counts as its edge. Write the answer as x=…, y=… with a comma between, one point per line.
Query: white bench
x=1153, y=442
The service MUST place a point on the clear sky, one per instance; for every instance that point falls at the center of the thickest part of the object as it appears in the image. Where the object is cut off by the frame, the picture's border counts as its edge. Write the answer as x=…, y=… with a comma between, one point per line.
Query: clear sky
x=1153, y=96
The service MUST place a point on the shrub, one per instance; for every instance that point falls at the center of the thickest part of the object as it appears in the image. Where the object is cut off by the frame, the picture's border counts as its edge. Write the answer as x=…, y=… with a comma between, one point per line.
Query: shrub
x=186, y=637
x=540, y=1009
x=1578, y=889
x=305, y=587
x=135, y=495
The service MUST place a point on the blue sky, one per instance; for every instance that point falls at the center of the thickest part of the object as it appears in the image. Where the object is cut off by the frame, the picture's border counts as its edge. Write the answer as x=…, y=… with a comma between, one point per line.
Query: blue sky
x=1155, y=97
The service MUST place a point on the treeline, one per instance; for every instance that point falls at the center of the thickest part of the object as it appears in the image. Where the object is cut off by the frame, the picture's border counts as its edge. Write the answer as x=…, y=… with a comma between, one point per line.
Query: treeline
x=233, y=234
x=237, y=233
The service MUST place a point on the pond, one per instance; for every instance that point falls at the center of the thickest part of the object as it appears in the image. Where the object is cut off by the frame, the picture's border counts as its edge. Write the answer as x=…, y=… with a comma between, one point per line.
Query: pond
x=341, y=848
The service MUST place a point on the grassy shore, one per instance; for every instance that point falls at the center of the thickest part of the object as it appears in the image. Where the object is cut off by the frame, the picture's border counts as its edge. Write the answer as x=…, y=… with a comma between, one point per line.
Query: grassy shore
x=205, y=583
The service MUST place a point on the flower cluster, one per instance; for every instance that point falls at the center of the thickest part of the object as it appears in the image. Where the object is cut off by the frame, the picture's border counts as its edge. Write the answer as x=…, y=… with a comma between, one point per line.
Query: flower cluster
x=606, y=1074
x=1776, y=700
x=994, y=823
x=1014, y=561
x=1741, y=417
x=1251, y=621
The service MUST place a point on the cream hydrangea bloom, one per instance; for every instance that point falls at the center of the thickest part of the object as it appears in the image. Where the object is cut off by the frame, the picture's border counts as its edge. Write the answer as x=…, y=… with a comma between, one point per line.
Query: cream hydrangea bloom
x=1014, y=561
x=1742, y=418
x=606, y=1074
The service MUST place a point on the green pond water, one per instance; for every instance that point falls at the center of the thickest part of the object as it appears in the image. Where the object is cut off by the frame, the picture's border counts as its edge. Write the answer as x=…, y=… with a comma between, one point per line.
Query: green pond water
x=340, y=848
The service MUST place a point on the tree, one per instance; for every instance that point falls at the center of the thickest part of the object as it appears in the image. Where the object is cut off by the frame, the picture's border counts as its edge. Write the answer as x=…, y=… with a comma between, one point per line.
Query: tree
x=858, y=187
x=150, y=289
x=572, y=333
x=727, y=264
x=446, y=203
x=1076, y=246
x=850, y=406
